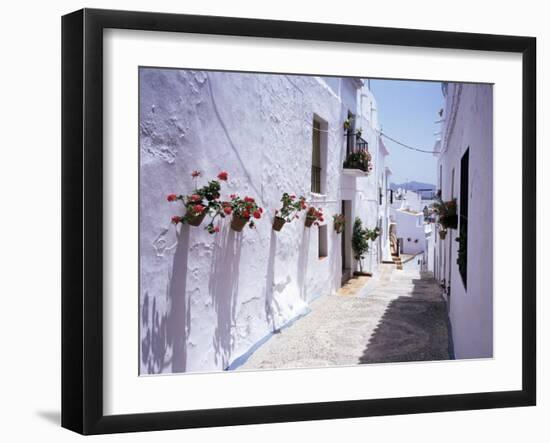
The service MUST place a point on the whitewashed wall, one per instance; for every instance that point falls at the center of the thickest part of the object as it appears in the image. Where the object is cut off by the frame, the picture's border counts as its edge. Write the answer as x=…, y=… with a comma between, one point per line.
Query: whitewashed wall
x=207, y=299
x=469, y=123
x=410, y=226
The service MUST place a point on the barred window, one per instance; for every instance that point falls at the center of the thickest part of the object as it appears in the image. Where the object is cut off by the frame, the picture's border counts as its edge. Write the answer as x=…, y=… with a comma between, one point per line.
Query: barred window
x=316, y=158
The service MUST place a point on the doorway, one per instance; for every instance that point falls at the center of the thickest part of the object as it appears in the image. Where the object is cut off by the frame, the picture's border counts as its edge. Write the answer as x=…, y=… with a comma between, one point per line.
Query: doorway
x=346, y=241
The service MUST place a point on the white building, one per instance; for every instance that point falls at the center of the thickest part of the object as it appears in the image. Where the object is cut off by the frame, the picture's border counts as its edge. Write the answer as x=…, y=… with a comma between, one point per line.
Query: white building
x=406, y=212
x=206, y=301
x=465, y=173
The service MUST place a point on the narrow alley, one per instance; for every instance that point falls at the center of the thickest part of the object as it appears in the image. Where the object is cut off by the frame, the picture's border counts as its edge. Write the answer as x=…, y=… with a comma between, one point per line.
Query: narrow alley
x=402, y=318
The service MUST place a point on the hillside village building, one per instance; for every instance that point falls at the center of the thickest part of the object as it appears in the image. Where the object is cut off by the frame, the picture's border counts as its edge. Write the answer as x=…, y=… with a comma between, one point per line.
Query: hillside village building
x=208, y=300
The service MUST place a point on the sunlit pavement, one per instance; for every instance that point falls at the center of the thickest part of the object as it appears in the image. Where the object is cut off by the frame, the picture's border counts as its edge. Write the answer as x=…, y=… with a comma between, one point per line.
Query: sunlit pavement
x=402, y=318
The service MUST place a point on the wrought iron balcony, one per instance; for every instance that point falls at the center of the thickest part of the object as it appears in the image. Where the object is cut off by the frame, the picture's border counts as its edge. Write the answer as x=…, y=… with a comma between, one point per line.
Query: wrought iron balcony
x=358, y=159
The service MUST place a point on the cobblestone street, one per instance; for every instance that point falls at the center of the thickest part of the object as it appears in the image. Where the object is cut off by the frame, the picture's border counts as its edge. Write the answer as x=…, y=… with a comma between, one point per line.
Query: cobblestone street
x=401, y=318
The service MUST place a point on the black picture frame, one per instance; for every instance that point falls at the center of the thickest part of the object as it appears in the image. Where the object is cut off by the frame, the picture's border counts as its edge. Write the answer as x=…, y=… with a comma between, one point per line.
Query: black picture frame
x=82, y=215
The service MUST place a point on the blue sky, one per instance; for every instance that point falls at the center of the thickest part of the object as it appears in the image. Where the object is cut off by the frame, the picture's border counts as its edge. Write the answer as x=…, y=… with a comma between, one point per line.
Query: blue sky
x=407, y=111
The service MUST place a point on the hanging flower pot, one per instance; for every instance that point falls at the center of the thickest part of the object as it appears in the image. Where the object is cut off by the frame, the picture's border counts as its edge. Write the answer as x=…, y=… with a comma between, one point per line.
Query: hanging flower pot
x=314, y=216
x=202, y=202
x=243, y=210
x=449, y=221
x=278, y=223
x=339, y=223
x=238, y=223
x=194, y=219
x=442, y=235
x=292, y=205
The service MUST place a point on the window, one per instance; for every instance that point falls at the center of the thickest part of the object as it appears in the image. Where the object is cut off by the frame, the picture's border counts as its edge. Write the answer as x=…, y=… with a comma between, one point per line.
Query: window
x=350, y=135
x=319, y=156
x=462, y=259
x=323, y=241
x=380, y=195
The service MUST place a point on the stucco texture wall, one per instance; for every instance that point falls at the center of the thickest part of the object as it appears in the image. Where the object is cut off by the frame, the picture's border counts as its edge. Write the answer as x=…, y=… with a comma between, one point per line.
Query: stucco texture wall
x=207, y=299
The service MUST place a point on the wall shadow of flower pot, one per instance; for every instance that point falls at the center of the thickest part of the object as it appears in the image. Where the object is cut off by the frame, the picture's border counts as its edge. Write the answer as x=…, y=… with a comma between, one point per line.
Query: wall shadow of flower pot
x=278, y=223
x=224, y=288
x=164, y=331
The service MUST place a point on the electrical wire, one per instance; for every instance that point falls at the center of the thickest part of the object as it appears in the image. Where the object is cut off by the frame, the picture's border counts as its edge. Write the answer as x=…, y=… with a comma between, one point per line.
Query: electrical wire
x=425, y=151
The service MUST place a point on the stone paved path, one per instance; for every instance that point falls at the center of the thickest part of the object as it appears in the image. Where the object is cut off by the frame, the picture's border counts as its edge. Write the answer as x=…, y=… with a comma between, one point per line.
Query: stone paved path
x=403, y=318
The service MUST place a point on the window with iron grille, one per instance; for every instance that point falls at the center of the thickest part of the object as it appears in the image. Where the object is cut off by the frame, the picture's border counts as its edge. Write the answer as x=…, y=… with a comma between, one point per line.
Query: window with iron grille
x=463, y=218
x=350, y=135
x=316, y=158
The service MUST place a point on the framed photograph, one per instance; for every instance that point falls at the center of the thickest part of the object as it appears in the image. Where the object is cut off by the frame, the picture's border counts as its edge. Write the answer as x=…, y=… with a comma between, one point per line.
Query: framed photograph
x=269, y=221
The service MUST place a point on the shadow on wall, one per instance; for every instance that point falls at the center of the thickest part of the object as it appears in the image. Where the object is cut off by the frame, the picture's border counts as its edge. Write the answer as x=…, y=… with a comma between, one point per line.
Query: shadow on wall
x=302, y=262
x=413, y=328
x=270, y=302
x=166, y=337
x=223, y=287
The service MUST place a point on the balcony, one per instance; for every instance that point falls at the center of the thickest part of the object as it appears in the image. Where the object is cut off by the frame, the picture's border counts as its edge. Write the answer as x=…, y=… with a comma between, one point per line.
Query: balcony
x=358, y=161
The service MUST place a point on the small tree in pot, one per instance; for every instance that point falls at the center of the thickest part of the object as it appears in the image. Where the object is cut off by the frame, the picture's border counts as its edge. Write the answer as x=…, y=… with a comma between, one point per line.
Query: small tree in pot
x=359, y=242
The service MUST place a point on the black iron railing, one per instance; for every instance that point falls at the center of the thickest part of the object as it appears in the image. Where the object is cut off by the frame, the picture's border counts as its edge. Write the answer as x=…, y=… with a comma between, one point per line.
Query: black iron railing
x=357, y=154
x=355, y=142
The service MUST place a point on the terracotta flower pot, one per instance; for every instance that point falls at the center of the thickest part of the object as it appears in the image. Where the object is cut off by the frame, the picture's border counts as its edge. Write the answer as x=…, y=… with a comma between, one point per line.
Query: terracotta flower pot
x=339, y=229
x=278, y=223
x=309, y=222
x=238, y=223
x=442, y=235
x=195, y=220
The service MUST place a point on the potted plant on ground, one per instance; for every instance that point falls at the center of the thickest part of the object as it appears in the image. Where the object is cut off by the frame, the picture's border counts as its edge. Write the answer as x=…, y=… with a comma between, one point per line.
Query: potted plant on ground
x=372, y=234
x=359, y=242
x=289, y=210
x=359, y=159
x=314, y=216
x=339, y=223
x=243, y=210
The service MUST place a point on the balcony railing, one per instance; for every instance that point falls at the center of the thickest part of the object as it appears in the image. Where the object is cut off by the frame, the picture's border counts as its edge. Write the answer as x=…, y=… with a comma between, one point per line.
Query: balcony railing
x=357, y=162
x=355, y=142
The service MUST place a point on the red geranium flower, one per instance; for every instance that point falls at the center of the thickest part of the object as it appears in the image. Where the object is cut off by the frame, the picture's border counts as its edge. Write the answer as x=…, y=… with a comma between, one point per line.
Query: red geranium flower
x=257, y=214
x=197, y=209
x=217, y=229
x=176, y=219
x=246, y=214
x=172, y=197
x=227, y=210
x=195, y=198
x=223, y=176
x=196, y=174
